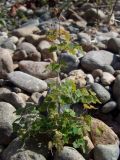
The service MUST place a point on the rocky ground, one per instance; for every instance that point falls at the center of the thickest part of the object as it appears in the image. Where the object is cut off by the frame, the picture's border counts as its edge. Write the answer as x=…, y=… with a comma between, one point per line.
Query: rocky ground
x=24, y=55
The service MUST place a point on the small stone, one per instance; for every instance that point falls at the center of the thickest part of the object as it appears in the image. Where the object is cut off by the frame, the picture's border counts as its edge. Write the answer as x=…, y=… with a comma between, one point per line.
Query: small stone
x=8, y=44
x=107, y=78
x=6, y=62
x=78, y=73
x=33, y=38
x=102, y=94
x=106, y=152
x=69, y=153
x=97, y=73
x=27, y=51
x=27, y=82
x=14, y=39
x=7, y=117
x=84, y=38
x=92, y=15
x=12, y=98
x=71, y=62
x=25, y=31
x=116, y=89
x=24, y=96
x=113, y=45
x=44, y=47
x=36, y=97
x=108, y=107
x=109, y=69
x=89, y=79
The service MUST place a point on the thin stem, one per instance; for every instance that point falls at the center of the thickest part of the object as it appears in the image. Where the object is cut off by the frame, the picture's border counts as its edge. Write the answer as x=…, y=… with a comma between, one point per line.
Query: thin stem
x=113, y=8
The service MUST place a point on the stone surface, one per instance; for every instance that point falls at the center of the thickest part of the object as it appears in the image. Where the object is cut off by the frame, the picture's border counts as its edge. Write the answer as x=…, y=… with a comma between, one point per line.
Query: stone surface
x=6, y=62
x=97, y=59
x=7, y=117
x=91, y=15
x=78, y=76
x=116, y=90
x=25, y=31
x=104, y=37
x=107, y=78
x=13, y=99
x=106, y=152
x=71, y=62
x=44, y=47
x=108, y=107
x=102, y=134
x=8, y=44
x=89, y=79
x=37, y=69
x=27, y=82
x=102, y=94
x=69, y=153
x=109, y=69
x=33, y=38
x=97, y=73
x=14, y=152
x=113, y=45
x=27, y=51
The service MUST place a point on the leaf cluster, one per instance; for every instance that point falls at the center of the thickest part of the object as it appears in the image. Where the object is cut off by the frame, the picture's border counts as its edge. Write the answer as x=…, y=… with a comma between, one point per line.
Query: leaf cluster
x=65, y=45
x=61, y=125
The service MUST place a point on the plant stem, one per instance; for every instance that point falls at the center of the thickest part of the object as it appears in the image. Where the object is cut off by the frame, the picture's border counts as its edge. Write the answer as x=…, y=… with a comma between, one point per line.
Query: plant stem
x=113, y=8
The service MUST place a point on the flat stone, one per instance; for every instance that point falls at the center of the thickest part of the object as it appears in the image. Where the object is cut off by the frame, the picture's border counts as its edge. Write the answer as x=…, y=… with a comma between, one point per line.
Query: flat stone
x=27, y=82
x=25, y=31
x=37, y=69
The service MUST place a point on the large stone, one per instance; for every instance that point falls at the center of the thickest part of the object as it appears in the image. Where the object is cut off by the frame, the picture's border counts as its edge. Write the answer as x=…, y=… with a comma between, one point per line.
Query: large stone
x=113, y=45
x=106, y=152
x=27, y=82
x=26, y=50
x=25, y=31
x=102, y=94
x=6, y=62
x=44, y=47
x=37, y=69
x=7, y=117
x=69, y=153
x=98, y=59
x=102, y=134
x=15, y=151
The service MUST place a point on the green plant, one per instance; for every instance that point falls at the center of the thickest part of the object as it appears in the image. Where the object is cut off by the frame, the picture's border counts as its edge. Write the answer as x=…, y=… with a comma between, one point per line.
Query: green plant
x=61, y=125
x=65, y=45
